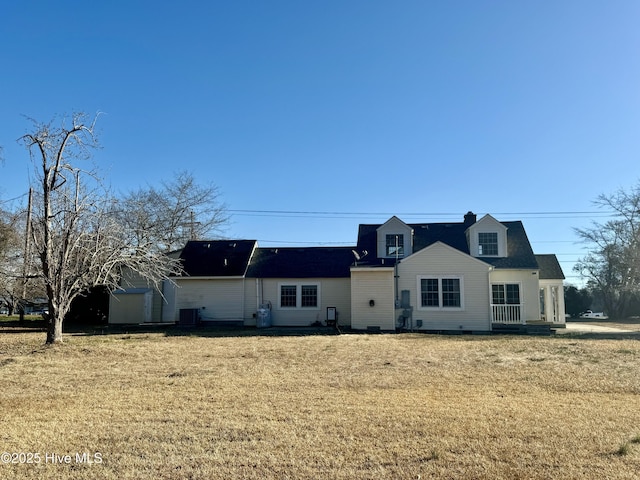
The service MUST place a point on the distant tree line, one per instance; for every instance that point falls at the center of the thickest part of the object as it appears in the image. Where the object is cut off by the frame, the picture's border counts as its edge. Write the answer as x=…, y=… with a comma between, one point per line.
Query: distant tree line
x=611, y=267
x=579, y=300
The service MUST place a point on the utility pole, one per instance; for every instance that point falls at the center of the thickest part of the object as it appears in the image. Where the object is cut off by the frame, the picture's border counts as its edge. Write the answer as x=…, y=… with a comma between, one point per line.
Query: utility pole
x=190, y=225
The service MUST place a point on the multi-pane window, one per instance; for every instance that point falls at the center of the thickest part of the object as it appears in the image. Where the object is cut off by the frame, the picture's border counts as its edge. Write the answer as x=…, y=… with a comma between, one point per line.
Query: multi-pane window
x=487, y=243
x=505, y=294
x=440, y=292
x=430, y=292
x=395, y=245
x=298, y=295
x=309, y=295
x=451, y=292
x=289, y=296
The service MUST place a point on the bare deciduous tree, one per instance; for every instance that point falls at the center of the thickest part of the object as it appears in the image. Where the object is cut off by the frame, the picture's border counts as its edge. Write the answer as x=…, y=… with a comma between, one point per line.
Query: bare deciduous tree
x=79, y=239
x=11, y=261
x=20, y=282
x=180, y=210
x=612, y=267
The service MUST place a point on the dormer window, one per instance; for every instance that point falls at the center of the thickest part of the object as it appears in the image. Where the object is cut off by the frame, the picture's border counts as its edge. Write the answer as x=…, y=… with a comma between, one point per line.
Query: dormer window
x=488, y=244
x=487, y=238
x=394, y=239
x=395, y=245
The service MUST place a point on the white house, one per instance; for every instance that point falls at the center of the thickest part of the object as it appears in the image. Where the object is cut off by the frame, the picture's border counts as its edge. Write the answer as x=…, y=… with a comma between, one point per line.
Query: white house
x=469, y=276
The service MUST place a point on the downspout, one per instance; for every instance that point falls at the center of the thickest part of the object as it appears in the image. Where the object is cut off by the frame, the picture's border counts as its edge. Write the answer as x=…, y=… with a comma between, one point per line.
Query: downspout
x=244, y=283
x=257, y=294
x=395, y=276
x=490, y=299
x=162, y=300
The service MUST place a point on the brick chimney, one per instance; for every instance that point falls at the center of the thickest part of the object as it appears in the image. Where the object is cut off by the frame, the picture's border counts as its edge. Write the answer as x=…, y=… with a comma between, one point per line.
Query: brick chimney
x=469, y=219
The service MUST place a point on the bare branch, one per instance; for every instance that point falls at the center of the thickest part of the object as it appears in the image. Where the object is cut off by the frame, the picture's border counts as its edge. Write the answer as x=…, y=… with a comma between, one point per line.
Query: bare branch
x=79, y=238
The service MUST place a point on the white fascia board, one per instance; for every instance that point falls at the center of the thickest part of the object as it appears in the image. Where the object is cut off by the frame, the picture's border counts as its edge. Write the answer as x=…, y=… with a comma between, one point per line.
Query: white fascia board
x=236, y=277
x=371, y=269
x=449, y=247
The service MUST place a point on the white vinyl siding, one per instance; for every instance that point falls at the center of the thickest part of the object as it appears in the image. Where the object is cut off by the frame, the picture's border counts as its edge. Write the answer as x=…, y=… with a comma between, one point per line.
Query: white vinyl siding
x=169, y=313
x=216, y=299
x=439, y=261
x=331, y=292
x=529, y=290
x=372, y=302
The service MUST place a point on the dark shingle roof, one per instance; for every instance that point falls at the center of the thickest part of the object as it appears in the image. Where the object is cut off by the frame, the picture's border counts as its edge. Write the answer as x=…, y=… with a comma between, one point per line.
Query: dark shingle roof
x=549, y=267
x=323, y=262
x=520, y=253
x=216, y=258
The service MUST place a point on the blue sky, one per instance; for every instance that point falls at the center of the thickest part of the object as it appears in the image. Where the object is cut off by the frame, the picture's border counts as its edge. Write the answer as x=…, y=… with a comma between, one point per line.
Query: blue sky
x=360, y=109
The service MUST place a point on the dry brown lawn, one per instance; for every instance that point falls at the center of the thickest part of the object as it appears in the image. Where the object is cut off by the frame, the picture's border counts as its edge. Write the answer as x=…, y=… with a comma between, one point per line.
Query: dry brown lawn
x=341, y=407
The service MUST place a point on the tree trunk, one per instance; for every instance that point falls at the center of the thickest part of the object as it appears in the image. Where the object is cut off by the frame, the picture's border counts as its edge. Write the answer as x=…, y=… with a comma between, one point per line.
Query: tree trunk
x=54, y=326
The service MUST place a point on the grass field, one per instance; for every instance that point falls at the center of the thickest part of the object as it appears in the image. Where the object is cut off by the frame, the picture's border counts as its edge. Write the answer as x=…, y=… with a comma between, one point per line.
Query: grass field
x=409, y=406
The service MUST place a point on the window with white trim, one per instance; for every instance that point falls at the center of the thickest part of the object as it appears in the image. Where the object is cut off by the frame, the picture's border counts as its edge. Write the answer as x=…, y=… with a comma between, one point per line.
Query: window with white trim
x=395, y=245
x=309, y=296
x=488, y=243
x=288, y=296
x=505, y=294
x=441, y=292
x=299, y=295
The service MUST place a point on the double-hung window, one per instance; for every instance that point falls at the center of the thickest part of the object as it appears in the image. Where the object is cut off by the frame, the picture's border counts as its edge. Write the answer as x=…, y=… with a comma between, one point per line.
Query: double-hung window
x=309, y=296
x=395, y=245
x=299, y=295
x=488, y=244
x=430, y=292
x=441, y=292
x=451, y=292
x=288, y=296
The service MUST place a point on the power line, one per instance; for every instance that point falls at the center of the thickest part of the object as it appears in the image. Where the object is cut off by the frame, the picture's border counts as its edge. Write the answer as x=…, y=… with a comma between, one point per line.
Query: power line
x=15, y=198
x=349, y=244
x=337, y=214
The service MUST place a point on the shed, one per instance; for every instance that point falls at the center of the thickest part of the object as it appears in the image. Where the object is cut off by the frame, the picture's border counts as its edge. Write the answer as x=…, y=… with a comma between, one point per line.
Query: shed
x=131, y=306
